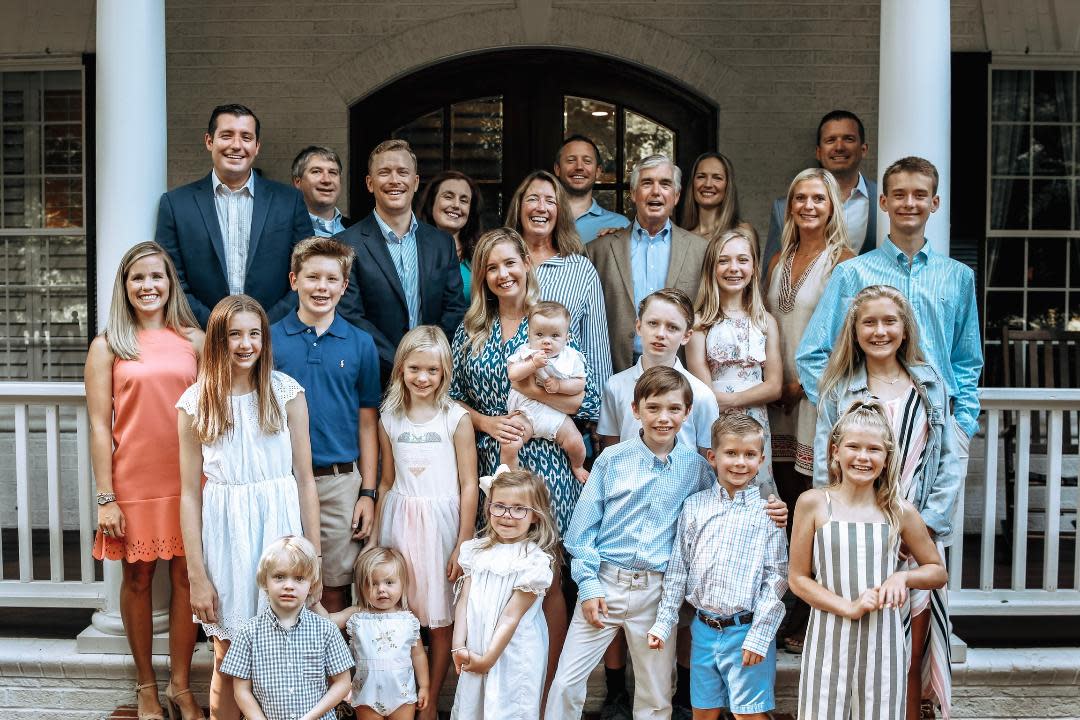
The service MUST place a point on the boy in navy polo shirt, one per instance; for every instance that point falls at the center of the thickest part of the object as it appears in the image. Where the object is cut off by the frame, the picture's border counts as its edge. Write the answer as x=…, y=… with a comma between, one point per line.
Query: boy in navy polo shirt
x=338, y=366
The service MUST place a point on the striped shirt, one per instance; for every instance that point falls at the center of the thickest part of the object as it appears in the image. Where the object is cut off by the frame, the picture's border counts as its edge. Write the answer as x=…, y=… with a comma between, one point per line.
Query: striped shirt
x=572, y=281
x=234, y=208
x=941, y=292
x=403, y=253
x=288, y=667
x=627, y=512
x=729, y=558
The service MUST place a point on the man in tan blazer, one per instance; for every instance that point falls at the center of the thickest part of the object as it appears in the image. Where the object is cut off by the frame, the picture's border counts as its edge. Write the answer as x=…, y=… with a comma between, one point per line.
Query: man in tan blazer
x=649, y=255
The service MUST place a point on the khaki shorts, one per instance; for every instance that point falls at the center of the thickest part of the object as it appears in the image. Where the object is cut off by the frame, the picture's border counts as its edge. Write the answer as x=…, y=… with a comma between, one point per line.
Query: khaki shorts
x=337, y=498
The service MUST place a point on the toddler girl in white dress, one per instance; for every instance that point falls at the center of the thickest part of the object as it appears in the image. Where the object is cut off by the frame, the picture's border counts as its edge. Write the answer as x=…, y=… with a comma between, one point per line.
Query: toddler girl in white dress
x=391, y=667
x=500, y=634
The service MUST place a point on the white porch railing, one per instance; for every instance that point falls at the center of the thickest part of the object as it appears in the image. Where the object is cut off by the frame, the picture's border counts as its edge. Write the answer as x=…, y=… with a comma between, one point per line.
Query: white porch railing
x=1015, y=597
x=29, y=495
x=37, y=500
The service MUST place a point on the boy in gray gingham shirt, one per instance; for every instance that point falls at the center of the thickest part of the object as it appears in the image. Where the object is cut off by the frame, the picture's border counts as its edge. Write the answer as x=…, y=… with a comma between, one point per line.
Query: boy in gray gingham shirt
x=289, y=663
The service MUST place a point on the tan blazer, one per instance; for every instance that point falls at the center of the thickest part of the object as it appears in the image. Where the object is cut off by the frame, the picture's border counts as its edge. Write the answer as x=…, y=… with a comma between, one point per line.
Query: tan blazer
x=611, y=256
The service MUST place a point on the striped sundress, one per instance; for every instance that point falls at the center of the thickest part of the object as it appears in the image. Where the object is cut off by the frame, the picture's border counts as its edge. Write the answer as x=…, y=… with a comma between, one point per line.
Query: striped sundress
x=853, y=669
x=911, y=429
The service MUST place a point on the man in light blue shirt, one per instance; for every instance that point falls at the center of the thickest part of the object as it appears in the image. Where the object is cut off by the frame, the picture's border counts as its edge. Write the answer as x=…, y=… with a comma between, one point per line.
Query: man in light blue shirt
x=841, y=147
x=316, y=173
x=577, y=165
x=941, y=292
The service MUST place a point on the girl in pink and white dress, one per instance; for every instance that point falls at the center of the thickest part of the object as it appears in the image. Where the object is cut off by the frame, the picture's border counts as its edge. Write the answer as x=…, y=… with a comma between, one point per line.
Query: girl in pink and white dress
x=428, y=490
x=735, y=348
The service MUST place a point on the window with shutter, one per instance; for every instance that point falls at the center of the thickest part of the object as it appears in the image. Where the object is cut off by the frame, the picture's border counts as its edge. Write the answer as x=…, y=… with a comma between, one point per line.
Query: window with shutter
x=44, y=322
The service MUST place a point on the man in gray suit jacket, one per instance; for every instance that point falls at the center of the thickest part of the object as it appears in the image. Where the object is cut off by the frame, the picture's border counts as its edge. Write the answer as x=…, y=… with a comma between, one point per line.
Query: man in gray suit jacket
x=649, y=255
x=841, y=147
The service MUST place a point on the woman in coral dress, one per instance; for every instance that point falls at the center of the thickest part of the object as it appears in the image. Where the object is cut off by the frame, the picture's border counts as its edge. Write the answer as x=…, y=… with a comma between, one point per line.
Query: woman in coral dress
x=135, y=371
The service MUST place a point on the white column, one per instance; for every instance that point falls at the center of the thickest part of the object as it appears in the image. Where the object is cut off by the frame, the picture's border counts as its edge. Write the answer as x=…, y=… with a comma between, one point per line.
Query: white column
x=130, y=156
x=914, y=98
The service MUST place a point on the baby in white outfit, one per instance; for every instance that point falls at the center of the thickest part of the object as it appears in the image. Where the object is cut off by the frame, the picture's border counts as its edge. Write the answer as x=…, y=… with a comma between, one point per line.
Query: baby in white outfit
x=560, y=370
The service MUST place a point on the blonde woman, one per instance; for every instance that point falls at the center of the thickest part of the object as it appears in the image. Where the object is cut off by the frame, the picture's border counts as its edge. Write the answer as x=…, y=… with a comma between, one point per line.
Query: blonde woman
x=244, y=427
x=135, y=371
x=496, y=324
x=813, y=241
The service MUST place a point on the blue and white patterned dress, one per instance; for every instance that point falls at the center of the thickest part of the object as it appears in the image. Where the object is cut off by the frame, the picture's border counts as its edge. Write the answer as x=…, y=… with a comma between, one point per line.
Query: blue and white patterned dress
x=480, y=381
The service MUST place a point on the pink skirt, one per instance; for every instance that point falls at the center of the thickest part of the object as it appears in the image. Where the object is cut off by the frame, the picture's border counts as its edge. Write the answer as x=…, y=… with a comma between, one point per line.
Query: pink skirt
x=424, y=530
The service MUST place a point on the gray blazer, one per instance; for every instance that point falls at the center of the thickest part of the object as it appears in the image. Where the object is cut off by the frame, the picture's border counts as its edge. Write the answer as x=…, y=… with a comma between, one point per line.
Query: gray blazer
x=611, y=256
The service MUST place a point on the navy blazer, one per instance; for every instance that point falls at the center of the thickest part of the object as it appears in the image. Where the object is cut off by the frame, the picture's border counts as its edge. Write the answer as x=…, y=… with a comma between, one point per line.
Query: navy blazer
x=375, y=301
x=188, y=228
x=776, y=229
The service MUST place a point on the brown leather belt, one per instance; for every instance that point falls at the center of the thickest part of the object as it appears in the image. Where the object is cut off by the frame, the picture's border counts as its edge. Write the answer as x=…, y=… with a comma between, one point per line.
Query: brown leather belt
x=334, y=469
x=743, y=618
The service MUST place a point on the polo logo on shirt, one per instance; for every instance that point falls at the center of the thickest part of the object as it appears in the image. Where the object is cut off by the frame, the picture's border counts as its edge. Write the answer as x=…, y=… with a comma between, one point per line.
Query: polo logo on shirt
x=342, y=363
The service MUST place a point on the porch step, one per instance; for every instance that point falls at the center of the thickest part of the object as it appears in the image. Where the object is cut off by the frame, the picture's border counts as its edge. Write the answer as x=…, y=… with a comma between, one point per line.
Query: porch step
x=49, y=678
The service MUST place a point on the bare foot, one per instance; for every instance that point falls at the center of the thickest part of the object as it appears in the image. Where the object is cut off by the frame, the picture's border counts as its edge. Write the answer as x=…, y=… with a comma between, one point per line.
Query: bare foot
x=581, y=474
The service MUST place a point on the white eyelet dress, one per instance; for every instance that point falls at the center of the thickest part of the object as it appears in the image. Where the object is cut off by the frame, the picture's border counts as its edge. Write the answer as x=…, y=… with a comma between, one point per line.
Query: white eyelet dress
x=249, y=500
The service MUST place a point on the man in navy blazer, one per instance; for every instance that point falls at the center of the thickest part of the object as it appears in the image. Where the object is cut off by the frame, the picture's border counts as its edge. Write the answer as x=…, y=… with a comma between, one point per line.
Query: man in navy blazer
x=840, y=150
x=232, y=231
x=406, y=272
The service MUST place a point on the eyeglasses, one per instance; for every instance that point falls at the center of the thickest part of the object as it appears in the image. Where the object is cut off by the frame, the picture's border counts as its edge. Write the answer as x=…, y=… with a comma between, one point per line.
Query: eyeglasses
x=517, y=512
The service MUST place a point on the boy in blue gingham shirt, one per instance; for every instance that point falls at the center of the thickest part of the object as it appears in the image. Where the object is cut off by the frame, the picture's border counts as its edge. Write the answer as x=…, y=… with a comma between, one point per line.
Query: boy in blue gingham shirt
x=730, y=564
x=288, y=663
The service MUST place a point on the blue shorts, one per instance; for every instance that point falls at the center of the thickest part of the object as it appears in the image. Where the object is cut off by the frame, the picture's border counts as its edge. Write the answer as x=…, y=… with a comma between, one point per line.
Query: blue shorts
x=717, y=676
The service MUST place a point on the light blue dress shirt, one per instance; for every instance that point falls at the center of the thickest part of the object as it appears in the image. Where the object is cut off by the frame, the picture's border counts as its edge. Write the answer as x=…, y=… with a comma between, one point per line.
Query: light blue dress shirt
x=403, y=253
x=942, y=294
x=650, y=256
x=595, y=219
x=234, y=209
x=627, y=512
x=327, y=228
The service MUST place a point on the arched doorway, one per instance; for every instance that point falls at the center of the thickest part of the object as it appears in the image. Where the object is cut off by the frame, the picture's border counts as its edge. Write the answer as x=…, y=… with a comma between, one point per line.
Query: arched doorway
x=498, y=115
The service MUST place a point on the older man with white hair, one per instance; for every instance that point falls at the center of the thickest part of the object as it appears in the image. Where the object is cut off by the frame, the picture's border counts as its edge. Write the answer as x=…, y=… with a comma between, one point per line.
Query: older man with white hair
x=651, y=254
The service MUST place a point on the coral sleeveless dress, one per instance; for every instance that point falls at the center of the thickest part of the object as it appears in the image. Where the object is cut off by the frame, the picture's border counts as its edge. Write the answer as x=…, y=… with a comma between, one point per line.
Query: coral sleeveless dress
x=146, y=459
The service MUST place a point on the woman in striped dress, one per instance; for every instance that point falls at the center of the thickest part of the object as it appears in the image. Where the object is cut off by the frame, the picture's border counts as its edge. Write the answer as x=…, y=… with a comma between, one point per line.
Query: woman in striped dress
x=877, y=356
x=540, y=211
x=854, y=664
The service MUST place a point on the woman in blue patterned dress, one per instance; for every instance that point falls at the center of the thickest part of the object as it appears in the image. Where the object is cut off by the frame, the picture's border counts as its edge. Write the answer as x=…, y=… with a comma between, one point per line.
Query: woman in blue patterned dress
x=504, y=287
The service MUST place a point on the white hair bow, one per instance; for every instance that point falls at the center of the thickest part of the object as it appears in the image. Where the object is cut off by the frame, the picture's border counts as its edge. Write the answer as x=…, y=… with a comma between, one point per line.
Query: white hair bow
x=486, y=480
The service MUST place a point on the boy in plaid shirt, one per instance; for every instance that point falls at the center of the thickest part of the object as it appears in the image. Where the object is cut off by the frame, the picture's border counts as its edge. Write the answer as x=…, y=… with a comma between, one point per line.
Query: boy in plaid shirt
x=730, y=564
x=288, y=662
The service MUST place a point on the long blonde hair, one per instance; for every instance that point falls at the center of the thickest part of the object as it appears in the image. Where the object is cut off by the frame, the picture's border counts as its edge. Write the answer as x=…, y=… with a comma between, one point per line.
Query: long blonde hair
x=869, y=414
x=484, y=307
x=708, y=307
x=542, y=531
x=364, y=568
x=214, y=417
x=564, y=238
x=846, y=354
x=836, y=233
x=121, y=331
x=422, y=337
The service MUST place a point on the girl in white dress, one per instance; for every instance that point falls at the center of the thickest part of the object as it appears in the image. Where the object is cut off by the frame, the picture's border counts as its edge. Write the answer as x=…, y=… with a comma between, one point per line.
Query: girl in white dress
x=391, y=668
x=428, y=490
x=735, y=348
x=500, y=637
x=245, y=427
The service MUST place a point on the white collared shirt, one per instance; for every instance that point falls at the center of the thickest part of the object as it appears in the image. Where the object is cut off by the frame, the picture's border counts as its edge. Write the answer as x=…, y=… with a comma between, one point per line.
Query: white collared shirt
x=234, y=208
x=857, y=214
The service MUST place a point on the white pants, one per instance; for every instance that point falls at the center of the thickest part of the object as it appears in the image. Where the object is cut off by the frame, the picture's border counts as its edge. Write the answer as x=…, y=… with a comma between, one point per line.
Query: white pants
x=632, y=600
